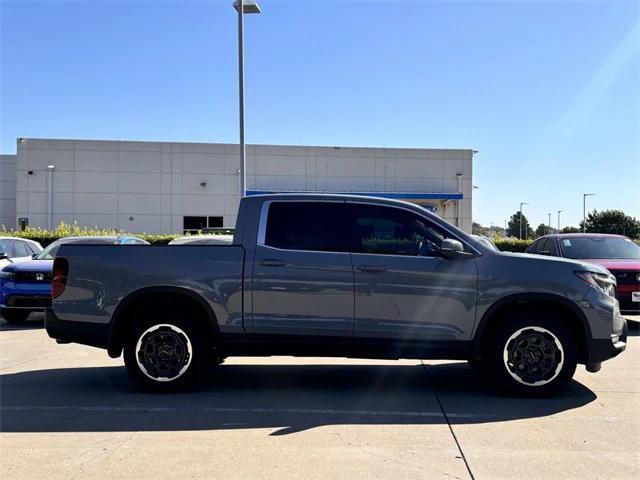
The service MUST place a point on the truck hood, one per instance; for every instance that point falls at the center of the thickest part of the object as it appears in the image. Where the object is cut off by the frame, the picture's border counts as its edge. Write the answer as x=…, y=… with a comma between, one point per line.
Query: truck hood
x=577, y=264
x=616, y=263
x=30, y=266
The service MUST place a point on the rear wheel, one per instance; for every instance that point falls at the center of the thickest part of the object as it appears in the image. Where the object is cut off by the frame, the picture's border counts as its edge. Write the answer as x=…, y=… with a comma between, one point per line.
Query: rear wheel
x=532, y=355
x=167, y=354
x=14, y=316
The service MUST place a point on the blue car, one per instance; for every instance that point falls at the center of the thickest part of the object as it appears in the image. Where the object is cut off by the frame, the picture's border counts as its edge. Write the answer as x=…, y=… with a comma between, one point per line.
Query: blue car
x=25, y=287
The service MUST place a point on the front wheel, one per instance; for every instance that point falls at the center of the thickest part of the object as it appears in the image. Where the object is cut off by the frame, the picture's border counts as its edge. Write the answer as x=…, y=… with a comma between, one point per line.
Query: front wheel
x=14, y=316
x=165, y=355
x=532, y=355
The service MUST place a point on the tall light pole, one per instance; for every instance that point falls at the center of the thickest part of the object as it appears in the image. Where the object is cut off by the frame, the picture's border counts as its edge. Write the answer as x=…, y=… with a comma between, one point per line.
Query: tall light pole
x=50, y=168
x=549, y=224
x=521, y=204
x=584, y=210
x=242, y=7
x=559, y=212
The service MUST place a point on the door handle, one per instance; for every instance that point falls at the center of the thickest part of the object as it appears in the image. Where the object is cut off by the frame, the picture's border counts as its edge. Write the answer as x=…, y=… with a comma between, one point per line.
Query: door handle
x=372, y=268
x=272, y=262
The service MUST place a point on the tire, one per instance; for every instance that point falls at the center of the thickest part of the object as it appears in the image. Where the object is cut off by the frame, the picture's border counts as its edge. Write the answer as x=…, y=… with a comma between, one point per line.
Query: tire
x=14, y=316
x=166, y=354
x=531, y=354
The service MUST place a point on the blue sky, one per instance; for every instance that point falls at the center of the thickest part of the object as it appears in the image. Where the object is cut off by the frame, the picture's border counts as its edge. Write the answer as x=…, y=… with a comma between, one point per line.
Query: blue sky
x=547, y=92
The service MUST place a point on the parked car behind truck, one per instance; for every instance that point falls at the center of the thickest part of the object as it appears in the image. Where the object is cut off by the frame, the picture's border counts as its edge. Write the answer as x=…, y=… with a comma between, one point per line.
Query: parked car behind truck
x=332, y=275
x=25, y=287
x=14, y=250
x=617, y=253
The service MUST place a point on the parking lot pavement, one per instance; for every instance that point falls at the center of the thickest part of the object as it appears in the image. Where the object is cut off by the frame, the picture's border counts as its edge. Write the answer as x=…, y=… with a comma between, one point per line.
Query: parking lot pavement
x=68, y=411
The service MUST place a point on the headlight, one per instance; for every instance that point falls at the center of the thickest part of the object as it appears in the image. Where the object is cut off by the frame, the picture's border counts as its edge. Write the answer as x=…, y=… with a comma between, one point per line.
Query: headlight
x=637, y=277
x=600, y=281
x=6, y=275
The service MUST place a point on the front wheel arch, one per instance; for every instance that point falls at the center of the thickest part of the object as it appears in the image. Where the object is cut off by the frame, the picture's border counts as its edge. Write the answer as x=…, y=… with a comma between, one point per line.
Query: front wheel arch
x=550, y=304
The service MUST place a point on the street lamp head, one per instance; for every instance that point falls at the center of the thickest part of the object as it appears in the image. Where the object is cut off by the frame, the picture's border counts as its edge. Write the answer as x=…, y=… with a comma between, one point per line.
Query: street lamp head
x=51, y=167
x=248, y=6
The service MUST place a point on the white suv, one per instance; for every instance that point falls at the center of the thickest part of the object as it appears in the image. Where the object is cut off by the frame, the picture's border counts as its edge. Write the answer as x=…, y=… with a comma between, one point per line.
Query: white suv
x=17, y=250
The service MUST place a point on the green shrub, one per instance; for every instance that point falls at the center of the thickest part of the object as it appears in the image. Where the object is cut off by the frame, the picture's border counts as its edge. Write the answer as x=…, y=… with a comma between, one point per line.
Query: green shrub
x=45, y=237
x=512, y=244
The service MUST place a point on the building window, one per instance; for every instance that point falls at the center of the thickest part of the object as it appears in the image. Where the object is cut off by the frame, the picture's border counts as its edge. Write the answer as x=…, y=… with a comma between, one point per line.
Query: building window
x=196, y=224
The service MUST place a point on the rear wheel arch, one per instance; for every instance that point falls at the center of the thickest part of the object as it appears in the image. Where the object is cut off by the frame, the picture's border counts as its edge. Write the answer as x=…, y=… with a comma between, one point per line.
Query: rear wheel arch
x=147, y=300
x=556, y=305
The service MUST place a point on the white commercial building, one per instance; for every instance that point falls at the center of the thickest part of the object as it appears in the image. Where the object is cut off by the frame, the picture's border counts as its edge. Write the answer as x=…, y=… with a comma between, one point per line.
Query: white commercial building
x=7, y=191
x=168, y=187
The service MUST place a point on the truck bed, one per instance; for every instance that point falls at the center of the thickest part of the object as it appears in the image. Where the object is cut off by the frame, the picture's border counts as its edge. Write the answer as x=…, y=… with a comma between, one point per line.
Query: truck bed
x=102, y=276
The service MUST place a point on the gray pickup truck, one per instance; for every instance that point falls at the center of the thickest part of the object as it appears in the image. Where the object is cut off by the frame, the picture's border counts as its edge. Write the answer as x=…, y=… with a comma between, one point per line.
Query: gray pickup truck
x=337, y=275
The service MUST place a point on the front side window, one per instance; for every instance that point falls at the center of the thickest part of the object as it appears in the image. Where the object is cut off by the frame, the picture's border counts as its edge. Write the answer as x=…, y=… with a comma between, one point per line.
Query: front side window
x=32, y=248
x=317, y=226
x=392, y=231
x=533, y=248
x=550, y=247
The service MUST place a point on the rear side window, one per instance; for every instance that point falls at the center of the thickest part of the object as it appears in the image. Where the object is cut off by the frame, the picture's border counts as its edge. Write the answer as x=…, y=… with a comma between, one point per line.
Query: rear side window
x=21, y=249
x=317, y=226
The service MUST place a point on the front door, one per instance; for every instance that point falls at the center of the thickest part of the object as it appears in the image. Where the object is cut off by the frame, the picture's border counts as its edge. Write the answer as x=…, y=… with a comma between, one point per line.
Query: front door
x=302, y=272
x=404, y=290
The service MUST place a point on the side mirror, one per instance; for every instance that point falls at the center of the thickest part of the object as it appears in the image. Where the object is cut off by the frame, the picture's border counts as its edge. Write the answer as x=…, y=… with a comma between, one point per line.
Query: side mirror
x=451, y=248
x=3, y=256
x=544, y=252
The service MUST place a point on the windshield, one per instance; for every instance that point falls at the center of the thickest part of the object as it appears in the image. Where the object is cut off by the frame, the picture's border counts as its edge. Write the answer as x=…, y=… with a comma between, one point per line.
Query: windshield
x=49, y=252
x=599, y=247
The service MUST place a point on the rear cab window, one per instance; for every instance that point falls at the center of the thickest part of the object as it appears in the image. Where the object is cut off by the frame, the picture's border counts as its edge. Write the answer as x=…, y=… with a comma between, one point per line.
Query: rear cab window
x=311, y=226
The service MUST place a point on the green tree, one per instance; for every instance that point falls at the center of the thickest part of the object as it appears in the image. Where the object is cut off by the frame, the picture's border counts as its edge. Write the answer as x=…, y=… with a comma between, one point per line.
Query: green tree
x=513, y=227
x=571, y=230
x=478, y=229
x=541, y=231
x=612, y=221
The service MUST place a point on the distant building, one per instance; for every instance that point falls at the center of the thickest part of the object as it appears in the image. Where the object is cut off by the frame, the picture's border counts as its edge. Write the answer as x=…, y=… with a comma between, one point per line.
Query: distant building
x=168, y=187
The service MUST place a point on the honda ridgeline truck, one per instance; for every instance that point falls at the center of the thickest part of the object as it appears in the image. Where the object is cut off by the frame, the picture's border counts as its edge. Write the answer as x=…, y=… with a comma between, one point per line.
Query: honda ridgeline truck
x=337, y=275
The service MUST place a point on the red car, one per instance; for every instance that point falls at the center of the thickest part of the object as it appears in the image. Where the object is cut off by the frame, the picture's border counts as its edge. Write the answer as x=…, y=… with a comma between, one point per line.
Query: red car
x=619, y=254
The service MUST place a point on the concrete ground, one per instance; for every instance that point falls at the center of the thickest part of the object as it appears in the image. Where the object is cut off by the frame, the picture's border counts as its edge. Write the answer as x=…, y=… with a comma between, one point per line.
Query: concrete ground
x=68, y=411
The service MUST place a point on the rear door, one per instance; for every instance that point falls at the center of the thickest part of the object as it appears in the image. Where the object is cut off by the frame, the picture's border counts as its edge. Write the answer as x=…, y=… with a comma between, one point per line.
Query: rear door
x=403, y=288
x=302, y=271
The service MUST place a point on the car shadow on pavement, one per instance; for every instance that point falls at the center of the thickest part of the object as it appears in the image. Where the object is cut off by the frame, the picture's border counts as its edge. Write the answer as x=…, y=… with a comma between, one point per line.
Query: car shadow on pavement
x=286, y=398
x=35, y=321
